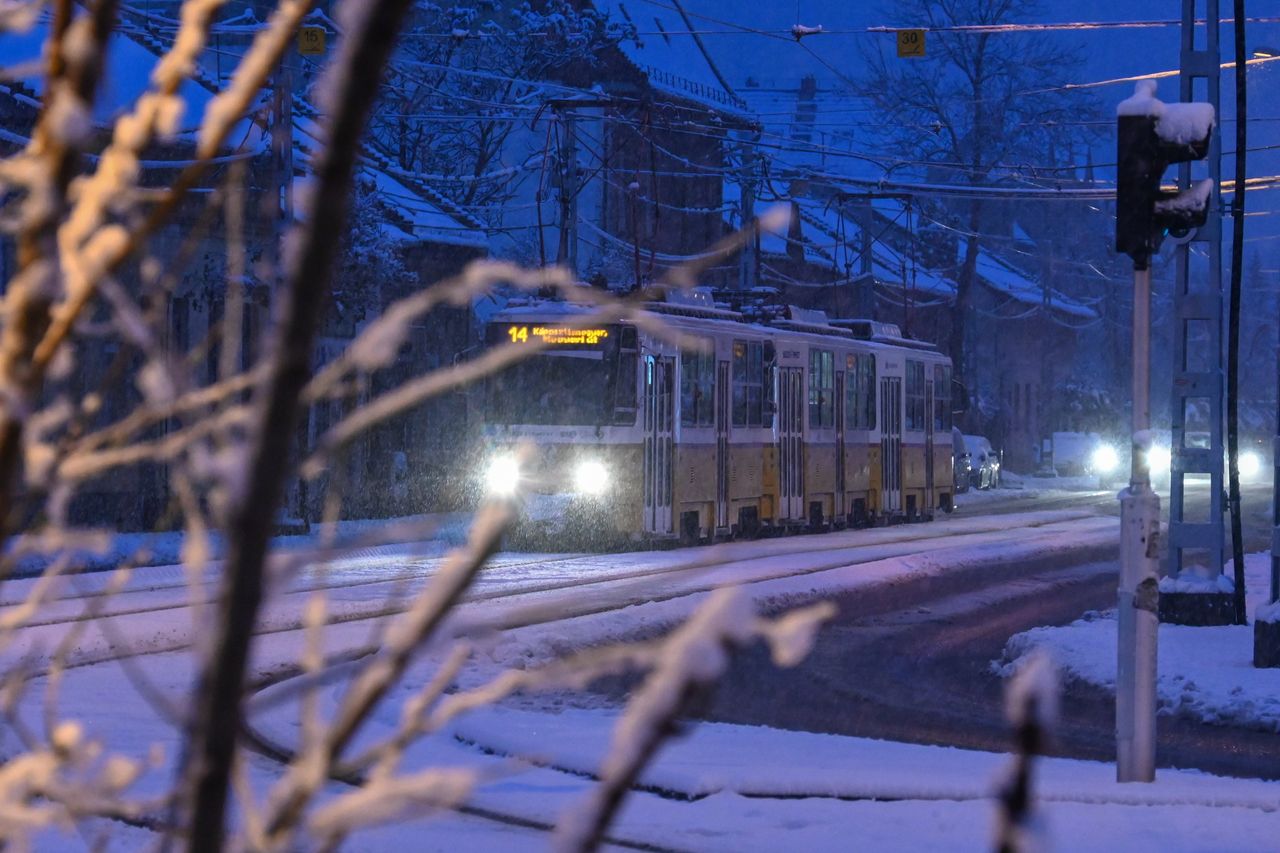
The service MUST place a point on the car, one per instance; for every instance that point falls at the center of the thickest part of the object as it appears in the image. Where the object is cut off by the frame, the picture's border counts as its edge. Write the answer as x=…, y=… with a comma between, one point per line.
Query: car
x=984, y=462
x=961, y=461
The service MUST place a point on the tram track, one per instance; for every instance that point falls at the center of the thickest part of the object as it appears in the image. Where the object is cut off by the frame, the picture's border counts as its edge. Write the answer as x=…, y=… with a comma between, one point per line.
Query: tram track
x=720, y=556
x=534, y=613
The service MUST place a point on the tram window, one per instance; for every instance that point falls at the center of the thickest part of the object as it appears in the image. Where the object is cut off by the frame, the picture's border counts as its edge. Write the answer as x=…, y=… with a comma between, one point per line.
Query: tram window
x=748, y=383
x=941, y=398
x=624, y=398
x=624, y=401
x=860, y=392
x=770, y=383
x=822, y=389
x=697, y=388
x=915, y=396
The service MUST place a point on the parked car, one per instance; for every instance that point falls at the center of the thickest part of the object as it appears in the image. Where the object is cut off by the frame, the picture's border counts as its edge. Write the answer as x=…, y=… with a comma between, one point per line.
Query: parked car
x=984, y=462
x=962, y=461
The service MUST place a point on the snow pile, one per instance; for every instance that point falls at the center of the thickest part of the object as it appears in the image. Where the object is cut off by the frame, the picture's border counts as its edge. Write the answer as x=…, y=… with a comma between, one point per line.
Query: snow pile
x=1267, y=612
x=1190, y=581
x=1207, y=673
x=1191, y=200
x=759, y=762
x=1143, y=101
x=1177, y=124
x=1184, y=124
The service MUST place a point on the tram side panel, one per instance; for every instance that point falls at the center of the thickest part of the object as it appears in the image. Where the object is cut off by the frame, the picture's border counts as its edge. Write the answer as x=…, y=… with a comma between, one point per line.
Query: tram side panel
x=751, y=468
x=821, y=451
x=861, y=447
x=944, y=478
x=916, y=464
x=722, y=440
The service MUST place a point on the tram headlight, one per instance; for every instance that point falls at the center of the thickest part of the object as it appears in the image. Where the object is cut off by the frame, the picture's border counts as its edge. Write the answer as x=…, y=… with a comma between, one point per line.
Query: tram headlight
x=590, y=477
x=1250, y=464
x=503, y=476
x=1105, y=459
x=1158, y=460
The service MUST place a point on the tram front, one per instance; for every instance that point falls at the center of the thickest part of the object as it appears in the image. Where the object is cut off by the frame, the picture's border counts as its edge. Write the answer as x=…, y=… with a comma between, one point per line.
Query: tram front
x=574, y=401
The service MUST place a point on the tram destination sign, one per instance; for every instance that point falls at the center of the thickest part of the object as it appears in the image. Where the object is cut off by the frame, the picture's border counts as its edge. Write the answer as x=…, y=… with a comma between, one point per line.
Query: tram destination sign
x=556, y=336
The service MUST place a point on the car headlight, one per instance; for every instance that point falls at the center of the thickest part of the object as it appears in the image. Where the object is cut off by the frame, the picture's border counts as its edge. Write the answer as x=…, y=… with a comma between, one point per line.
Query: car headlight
x=1105, y=459
x=1158, y=460
x=503, y=476
x=590, y=477
x=1250, y=464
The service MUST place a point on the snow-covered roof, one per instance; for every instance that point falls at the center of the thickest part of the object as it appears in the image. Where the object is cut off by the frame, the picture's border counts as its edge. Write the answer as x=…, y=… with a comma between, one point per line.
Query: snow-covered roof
x=671, y=56
x=826, y=239
x=1004, y=279
x=418, y=212
x=126, y=75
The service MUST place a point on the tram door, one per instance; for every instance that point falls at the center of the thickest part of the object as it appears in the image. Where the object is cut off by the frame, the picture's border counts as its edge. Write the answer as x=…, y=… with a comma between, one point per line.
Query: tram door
x=891, y=444
x=929, y=502
x=658, y=441
x=722, y=444
x=838, y=509
x=791, y=403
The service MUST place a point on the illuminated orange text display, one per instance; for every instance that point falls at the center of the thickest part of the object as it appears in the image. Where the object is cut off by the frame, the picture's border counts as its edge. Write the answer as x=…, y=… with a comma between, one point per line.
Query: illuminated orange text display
x=557, y=335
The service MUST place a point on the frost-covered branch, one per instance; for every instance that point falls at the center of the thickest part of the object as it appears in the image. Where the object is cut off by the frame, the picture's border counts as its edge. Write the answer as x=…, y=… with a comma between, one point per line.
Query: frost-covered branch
x=45, y=170
x=347, y=91
x=405, y=636
x=1031, y=706
x=160, y=110
x=694, y=657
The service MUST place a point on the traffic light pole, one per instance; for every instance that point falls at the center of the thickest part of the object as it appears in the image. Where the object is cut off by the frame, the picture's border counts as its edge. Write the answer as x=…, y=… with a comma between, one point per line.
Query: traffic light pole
x=1138, y=594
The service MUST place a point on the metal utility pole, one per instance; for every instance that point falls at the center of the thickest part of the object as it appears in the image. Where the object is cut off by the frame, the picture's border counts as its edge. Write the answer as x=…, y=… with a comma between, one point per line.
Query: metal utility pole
x=1138, y=594
x=567, y=252
x=1150, y=136
x=1198, y=370
x=749, y=183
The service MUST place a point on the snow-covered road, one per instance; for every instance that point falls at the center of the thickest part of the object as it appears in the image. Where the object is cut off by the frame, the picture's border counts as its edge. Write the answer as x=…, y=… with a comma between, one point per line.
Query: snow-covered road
x=152, y=611
x=123, y=672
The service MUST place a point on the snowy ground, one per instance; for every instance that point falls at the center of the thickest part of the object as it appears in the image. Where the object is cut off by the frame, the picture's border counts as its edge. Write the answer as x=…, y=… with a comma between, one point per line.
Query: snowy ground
x=165, y=548
x=724, y=788
x=1017, y=488
x=1205, y=672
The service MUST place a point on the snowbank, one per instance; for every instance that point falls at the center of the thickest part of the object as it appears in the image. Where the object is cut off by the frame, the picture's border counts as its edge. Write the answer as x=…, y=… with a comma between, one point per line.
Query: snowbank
x=1205, y=672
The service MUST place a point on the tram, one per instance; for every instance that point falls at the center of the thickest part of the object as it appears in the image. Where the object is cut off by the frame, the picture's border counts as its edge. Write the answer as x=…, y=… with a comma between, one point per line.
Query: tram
x=745, y=427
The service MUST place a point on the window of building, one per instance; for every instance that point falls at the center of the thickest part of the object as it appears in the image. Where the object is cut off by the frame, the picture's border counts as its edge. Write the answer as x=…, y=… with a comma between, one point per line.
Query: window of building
x=697, y=388
x=748, y=383
x=941, y=398
x=822, y=389
x=915, y=396
x=860, y=392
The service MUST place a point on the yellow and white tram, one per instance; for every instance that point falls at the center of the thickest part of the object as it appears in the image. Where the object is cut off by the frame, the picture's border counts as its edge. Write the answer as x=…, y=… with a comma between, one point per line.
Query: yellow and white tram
x=799, y=422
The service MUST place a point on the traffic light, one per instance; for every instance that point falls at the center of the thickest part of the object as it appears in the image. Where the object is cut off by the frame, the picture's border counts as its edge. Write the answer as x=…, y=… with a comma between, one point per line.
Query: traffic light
x=1151, y=136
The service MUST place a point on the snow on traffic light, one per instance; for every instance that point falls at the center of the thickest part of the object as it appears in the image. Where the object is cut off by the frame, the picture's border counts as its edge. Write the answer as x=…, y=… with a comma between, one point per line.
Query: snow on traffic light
x=1151, y=136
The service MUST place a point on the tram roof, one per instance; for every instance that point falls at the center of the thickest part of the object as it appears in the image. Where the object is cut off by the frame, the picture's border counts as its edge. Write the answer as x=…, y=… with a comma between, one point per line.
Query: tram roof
x=809, y=325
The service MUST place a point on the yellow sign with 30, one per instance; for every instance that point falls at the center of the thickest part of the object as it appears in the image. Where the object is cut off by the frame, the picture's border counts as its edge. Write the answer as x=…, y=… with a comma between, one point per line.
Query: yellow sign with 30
x=910, y=43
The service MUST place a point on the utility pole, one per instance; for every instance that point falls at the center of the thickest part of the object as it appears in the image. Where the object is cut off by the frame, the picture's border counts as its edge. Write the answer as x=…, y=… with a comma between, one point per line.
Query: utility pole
x=567, y=252
x=1150, y=136
x=866, y=272
x=749, y=260
x=569, y=175
x=1198, y=371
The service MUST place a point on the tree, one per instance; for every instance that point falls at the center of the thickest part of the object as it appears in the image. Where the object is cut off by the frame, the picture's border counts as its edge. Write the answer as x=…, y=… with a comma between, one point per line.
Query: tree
x=227, y=441
x=979, y=108
x=467, y=76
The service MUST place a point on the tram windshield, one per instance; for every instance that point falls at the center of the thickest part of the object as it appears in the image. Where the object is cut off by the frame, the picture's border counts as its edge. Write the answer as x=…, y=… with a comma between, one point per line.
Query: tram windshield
x=562, y=389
